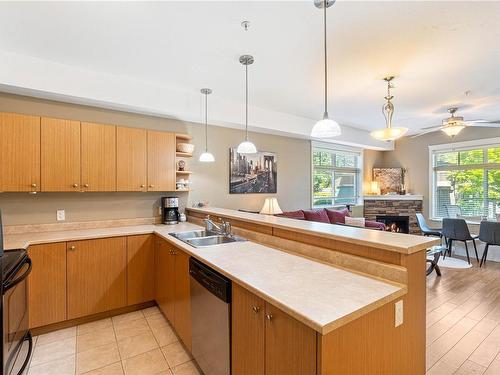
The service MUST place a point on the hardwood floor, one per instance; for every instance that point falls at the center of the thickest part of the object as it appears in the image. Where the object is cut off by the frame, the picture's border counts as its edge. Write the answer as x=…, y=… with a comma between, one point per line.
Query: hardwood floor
x=463, y=321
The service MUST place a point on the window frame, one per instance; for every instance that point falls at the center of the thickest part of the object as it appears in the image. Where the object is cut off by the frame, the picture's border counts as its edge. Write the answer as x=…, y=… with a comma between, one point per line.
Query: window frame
x=483, y=144
x=358, y=171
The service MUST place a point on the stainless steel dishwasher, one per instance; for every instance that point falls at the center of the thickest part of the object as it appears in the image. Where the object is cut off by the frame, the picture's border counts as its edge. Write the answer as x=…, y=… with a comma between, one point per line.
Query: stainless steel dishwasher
x=210, y=319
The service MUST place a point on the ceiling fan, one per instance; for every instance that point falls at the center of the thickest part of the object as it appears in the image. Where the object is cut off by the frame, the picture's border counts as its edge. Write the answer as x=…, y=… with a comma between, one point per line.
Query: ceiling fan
x=454, y=124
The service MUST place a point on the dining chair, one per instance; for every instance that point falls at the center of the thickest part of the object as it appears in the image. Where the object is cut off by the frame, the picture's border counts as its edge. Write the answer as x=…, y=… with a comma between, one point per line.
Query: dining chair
x=425, y=229
x=489, y=233
x=457, y=230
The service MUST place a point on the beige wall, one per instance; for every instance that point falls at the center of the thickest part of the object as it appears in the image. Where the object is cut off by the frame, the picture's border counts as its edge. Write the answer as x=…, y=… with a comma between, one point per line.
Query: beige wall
x=209, y=181
x=413, y=154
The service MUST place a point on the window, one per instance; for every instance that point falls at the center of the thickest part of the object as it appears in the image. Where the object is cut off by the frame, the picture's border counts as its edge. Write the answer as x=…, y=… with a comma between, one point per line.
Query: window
x=466, y=179
x=336, y=175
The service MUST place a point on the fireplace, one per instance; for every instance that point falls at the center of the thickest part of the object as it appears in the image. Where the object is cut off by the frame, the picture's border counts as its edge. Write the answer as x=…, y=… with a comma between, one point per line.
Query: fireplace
x=396, y=224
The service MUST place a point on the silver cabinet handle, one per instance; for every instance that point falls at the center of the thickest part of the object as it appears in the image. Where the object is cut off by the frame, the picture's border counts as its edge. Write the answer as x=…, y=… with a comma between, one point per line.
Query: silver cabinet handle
x=72, y=247
x=143, y=186
x=33, y=185
x=151, y=186
x=256, y=309
x=86, y=185
x=269, y=317
x=75, y=185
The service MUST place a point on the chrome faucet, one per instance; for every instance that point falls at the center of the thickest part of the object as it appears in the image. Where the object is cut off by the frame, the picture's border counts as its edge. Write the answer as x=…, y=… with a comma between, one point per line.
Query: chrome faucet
x=224, y=228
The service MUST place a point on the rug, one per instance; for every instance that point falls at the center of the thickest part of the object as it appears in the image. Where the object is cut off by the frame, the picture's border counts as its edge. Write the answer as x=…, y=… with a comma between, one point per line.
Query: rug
x=451, y=262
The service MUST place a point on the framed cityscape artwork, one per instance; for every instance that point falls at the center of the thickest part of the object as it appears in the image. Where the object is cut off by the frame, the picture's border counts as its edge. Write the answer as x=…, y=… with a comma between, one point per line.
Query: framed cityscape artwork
x=252, y=173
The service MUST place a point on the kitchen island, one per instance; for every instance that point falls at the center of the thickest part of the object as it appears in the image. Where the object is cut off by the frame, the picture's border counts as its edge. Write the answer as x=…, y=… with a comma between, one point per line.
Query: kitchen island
x=336, y=307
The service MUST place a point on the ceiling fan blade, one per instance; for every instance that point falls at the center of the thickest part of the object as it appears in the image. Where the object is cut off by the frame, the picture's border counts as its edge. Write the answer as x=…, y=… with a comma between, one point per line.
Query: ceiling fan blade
x=425, y=132
x=495, y=124
x=432, y=127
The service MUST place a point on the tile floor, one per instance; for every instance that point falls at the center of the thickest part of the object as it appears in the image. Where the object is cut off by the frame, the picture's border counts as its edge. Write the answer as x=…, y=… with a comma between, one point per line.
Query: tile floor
x=137, y=343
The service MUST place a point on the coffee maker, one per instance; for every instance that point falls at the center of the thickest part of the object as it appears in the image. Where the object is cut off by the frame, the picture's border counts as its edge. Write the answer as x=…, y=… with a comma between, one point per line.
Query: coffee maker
x=170, y=210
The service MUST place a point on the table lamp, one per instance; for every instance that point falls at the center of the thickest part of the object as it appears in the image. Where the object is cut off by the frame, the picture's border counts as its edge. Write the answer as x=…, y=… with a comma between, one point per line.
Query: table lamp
x=271, y=207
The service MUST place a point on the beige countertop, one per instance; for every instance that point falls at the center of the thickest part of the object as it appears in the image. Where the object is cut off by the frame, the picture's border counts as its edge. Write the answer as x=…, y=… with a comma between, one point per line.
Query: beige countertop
x=397, y=242
x=319, y=295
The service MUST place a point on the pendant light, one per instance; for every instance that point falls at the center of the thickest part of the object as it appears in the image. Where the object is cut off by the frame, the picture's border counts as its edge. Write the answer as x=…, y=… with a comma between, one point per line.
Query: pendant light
x=388, y=133
x=326, y=128
x=246, y=147
x=206, y=157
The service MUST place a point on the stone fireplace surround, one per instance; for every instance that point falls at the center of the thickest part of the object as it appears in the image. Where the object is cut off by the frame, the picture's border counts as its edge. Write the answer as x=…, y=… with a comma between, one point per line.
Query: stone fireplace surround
x=394, y=205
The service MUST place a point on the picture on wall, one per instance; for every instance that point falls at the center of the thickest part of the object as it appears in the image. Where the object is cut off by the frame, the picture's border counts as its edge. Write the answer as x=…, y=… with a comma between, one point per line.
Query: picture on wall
x=252, y=173
x=390, y=180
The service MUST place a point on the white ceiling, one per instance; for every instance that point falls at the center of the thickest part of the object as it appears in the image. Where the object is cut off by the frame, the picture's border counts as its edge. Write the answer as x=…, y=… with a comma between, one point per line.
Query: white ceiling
x=438, y=50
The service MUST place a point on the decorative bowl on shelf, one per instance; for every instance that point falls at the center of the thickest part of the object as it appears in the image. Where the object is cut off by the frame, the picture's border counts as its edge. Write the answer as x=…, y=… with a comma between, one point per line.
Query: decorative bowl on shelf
x=188, y=148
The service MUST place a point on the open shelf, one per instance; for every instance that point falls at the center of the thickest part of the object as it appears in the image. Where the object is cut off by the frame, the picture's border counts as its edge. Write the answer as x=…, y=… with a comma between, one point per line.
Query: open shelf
x=184, y=137
x=183, y=172
x=183, y=154
x=182, y=190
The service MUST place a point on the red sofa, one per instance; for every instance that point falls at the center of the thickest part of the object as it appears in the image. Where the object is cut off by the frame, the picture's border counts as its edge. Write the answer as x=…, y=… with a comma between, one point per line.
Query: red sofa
x=328, y=215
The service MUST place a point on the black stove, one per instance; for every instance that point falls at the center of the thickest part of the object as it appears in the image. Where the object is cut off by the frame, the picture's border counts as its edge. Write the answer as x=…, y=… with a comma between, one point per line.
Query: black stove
x=17, y=344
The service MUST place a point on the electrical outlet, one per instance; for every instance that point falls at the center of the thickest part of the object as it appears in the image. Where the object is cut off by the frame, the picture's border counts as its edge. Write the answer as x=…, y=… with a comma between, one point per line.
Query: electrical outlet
x=60, y=215
x=398, y=316
x=159, y=210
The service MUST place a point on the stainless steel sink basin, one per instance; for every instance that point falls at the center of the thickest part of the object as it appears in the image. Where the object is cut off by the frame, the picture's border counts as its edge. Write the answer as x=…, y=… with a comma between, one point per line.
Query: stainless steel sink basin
x=203, y=238
x=193, y=234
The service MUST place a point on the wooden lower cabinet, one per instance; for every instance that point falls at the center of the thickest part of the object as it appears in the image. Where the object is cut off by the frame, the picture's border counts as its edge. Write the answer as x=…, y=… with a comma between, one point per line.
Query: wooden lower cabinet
x=248, y=333
x=96, y=276
x=47, y=284
x=172, y=288
x=164, y=289
x=182, y=297
x=140, y=263
x=265, y=340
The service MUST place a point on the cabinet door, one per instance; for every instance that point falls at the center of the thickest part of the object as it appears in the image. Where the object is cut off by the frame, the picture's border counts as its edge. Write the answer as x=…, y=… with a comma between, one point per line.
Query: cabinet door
x=290, y=345
x=164, y=290
x=47, y=284
x=247, y=339
x=140, y=263
x=19, y=152
x=182, y=314
x=98, y=147
x=161, y=161
x=96, y=276
x=60, y=155
x=131, y=159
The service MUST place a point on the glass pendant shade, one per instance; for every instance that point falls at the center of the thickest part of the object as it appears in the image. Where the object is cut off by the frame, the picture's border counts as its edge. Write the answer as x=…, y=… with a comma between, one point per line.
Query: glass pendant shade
x=388, y=134
x=326, y=128
x=207, y=157
x=246, y=147
x=453, y=130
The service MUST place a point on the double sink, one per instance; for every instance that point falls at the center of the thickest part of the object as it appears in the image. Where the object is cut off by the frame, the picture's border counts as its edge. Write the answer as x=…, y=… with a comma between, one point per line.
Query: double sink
x=205, y=238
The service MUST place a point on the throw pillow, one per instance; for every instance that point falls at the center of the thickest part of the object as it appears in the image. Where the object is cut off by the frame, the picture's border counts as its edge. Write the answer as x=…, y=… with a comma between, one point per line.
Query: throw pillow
x=337, y=216
x=355, y=221
x=316, y=215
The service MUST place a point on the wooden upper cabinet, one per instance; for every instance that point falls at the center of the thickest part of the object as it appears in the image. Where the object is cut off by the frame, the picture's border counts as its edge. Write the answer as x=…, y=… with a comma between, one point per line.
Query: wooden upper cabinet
x=290, y=344
x=47, y=284
x=182, y=296
x=60, y=155
x=247, y=342
x=96, y=279
x=131, y=159
x=19, y=152
x=140, y=263
x=161, y=161
x=98, y=147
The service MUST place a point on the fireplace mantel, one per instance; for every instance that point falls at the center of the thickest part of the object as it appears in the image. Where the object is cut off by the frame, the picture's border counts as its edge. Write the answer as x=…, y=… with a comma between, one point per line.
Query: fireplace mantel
x=396, y=197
